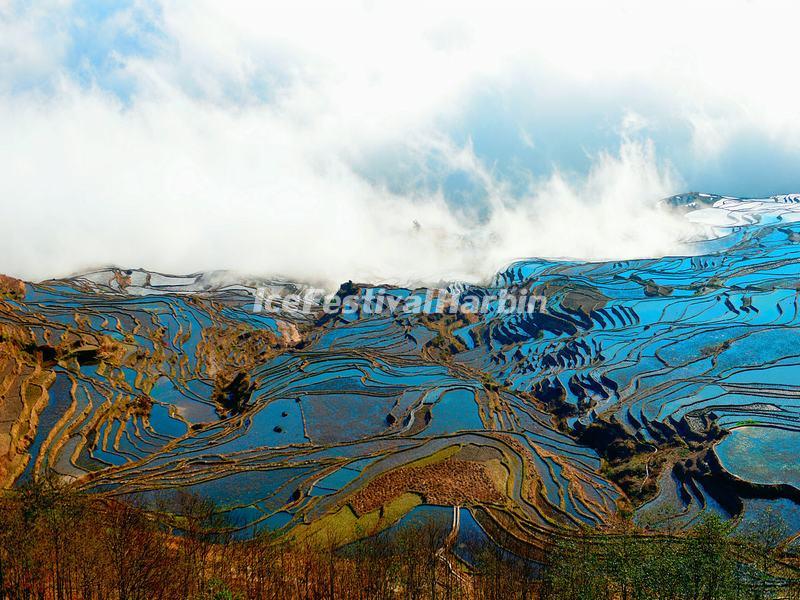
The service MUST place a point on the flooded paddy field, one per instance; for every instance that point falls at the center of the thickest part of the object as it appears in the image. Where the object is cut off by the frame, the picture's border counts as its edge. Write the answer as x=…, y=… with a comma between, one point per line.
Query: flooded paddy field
x=662, y=387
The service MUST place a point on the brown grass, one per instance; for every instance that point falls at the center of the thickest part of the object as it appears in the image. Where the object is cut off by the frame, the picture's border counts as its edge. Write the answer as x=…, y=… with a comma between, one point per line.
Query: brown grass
x=450, y=482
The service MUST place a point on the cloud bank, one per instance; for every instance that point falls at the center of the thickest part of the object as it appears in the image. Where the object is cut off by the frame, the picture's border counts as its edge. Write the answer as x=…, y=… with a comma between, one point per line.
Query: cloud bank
x=367, y=142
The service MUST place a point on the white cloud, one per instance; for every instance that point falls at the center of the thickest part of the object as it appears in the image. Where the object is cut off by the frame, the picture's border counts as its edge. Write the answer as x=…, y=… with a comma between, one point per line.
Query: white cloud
x=180, y=185
x=240, y=144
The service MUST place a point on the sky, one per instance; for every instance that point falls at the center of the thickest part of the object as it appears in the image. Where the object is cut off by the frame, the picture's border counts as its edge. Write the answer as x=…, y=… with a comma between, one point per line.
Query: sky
x=378, y=141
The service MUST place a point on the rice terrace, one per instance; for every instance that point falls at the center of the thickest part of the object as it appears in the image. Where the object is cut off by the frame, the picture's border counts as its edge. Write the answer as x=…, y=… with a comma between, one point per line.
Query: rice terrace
x=664, y=389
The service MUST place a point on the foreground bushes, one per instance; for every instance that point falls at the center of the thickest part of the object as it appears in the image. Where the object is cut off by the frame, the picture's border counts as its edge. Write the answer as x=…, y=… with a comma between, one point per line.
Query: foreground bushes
x=55, y=544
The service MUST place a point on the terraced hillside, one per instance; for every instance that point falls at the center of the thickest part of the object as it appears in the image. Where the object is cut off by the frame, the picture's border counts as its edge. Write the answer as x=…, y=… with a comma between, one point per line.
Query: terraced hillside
x=660, y=388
